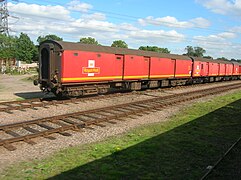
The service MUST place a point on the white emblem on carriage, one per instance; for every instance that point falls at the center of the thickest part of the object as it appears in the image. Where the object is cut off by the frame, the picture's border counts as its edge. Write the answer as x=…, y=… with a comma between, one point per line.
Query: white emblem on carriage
x=198, y=69
x=91, y=70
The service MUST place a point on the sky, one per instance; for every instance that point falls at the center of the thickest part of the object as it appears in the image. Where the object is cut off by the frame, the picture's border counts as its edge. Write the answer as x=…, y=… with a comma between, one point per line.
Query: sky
x=214, y=25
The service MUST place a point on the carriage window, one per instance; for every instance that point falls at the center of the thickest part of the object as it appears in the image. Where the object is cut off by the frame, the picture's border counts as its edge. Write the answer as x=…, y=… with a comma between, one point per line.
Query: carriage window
x=76, y=54
x=201, y=66
x=98, y=55
x=147, y=58
x=119, y=57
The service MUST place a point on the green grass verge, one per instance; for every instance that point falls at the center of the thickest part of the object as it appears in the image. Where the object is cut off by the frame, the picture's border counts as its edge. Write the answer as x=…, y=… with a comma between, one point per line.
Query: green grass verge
x=230, y=166
x=20, y=99
x=180, y=148
x=1, y=87
x=30, y=79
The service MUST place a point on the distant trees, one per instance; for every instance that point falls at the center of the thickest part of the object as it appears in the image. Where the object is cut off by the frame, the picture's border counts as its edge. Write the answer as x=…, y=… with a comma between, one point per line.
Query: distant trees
x=25, y=48
x=20, y=48
x=223, y=58
x=236, y=60
x=208, y=57
x=7, y=46
x=89, y=40
x=195, y=51
x=154, y=48
x=49, y=37
x=119, y=43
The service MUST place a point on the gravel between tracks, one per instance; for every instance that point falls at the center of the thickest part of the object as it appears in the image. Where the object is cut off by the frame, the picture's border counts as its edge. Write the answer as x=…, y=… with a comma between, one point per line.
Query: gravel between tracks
x=46, y=147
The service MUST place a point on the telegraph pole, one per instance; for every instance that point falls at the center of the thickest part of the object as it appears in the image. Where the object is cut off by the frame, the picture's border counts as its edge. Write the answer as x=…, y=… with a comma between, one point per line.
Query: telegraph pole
x=4, y=17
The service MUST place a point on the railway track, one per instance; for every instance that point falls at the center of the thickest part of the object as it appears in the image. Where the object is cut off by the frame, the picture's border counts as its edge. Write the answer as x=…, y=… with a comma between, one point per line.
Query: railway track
x=28, y=130
x=8, y=107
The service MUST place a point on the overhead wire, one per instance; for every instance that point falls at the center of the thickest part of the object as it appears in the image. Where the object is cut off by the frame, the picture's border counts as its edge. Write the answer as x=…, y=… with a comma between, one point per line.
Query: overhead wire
x=189, y=40
x=124, y=29
x=134, y=18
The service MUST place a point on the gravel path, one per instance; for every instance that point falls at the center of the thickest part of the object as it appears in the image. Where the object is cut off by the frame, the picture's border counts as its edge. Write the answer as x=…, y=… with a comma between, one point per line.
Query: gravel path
x=46, y=147
x=14, y=88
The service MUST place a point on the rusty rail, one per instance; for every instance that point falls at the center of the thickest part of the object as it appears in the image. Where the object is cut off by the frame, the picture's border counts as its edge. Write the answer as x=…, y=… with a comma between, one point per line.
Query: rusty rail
x=38, y=102
x=76, y=121
x=8, y=107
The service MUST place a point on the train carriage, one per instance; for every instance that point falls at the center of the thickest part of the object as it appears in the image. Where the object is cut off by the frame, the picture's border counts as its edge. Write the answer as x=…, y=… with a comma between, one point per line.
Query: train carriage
x=235, y=69
x=222, y=69
x=136, y=67
x=162, y=68
x=79, y=69
x=229, y=70
x=239, y=70
x=76, y=69
x=82, y=66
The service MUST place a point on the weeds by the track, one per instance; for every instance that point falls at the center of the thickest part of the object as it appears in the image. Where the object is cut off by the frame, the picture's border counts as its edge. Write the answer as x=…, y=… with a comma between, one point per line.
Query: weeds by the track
x=181, y=148
x=30, y=78
x=1, y=87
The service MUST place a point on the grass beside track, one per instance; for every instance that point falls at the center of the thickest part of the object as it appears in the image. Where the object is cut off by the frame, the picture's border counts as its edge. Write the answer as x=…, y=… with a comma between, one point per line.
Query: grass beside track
x=180, y=148
x=1, y=87
x=30, y=79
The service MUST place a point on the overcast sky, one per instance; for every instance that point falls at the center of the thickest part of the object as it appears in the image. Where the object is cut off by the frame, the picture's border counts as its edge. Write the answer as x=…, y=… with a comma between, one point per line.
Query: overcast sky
x=214, y=25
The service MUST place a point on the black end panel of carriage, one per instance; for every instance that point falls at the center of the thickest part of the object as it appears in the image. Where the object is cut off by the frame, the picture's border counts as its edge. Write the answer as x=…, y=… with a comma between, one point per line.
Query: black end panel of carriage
x=49, y=60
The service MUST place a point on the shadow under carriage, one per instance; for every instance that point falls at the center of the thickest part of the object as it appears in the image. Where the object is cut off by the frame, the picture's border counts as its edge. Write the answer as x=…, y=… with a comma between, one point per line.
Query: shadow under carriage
x=31, y=95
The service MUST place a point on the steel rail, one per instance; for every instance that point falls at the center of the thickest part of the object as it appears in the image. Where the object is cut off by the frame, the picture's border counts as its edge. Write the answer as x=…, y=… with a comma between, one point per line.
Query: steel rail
x=44, y=102
x=79, y=120
x=39, y=102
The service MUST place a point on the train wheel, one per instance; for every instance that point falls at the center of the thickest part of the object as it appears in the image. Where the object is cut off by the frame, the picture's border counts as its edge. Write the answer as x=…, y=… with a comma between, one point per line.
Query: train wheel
x=57, y=93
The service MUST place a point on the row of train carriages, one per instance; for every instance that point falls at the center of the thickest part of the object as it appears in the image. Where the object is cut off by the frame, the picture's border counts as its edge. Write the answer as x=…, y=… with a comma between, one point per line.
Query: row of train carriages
x=75, y=69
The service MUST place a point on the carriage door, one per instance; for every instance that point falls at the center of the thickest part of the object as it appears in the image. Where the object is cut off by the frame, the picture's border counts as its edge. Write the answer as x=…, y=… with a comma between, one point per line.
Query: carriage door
x=206, y=68
x=55, y=63
x=44, y=63
x=147, y=65
x=49, y=62
x=219, y=69
x=118, y=66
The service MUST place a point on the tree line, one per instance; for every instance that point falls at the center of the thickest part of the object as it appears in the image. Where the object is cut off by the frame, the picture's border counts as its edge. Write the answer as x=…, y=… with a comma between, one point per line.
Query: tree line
x=23, y=49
